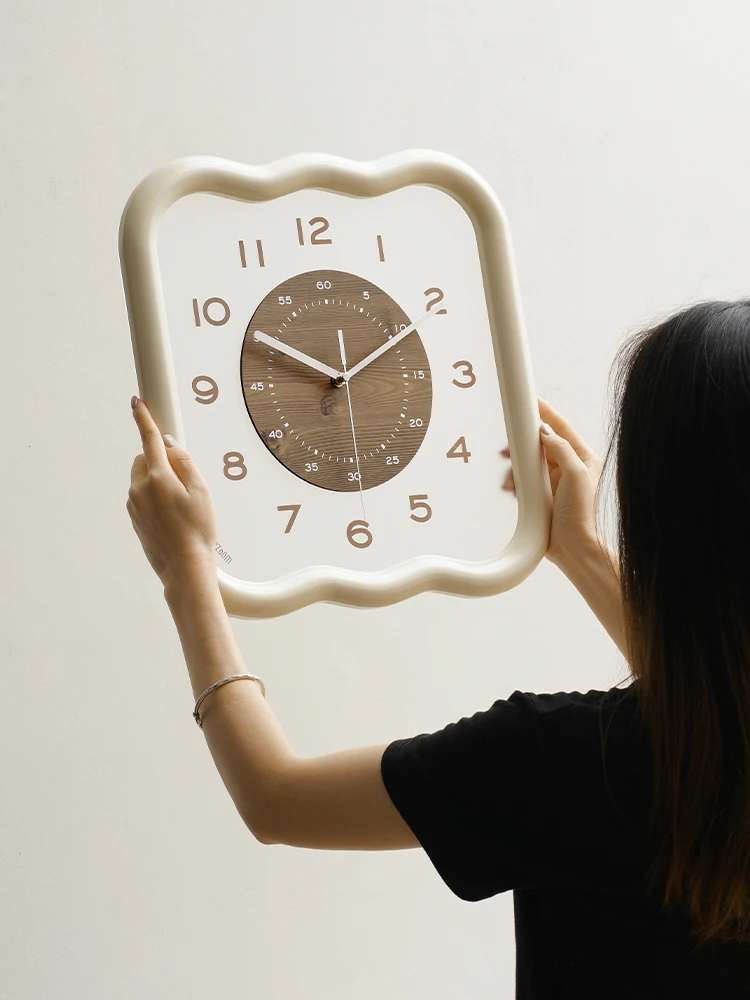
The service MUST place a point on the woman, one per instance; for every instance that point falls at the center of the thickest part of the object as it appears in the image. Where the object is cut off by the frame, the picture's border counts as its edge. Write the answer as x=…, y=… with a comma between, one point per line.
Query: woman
x=620, y=819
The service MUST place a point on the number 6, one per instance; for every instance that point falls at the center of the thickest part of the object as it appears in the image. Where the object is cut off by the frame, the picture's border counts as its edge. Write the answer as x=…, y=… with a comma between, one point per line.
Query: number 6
x=359, y=528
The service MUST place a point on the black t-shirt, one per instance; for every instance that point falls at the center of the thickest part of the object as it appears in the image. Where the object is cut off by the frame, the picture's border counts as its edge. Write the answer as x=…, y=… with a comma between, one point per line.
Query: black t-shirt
x=514, y=797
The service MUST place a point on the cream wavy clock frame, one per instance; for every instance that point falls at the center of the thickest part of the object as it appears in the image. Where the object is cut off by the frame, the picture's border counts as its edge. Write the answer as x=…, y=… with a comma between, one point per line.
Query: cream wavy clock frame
x=156, y=379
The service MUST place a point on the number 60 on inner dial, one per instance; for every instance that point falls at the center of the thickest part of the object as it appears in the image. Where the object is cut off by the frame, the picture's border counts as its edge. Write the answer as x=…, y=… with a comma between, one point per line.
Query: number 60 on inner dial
x=340, y=346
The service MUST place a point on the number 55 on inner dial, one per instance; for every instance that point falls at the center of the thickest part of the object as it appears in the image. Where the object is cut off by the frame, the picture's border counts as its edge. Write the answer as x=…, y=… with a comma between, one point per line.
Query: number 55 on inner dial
x=341, y=347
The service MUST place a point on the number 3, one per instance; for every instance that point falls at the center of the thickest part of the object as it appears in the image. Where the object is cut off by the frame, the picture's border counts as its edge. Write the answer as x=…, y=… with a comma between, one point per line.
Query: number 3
x=469, y=373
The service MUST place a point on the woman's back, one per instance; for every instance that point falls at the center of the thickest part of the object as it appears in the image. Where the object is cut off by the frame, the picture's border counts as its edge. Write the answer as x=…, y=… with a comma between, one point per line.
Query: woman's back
x=516, y=797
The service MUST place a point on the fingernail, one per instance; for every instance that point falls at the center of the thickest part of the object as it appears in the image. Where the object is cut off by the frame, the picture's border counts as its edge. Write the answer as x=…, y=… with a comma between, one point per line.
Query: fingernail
x=170, y=441
x=546, y=429
x=133, y=402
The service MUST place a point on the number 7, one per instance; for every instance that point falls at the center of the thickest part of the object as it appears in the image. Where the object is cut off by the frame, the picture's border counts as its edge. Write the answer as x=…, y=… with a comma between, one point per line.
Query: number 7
x=294, y=507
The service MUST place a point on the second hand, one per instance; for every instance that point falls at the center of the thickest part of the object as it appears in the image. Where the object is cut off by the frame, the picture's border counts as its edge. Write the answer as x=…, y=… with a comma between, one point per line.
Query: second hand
x=351, y=418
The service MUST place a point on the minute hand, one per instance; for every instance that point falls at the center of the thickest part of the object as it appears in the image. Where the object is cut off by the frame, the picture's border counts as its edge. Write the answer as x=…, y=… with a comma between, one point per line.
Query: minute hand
x=279, y=345
x=387, y=345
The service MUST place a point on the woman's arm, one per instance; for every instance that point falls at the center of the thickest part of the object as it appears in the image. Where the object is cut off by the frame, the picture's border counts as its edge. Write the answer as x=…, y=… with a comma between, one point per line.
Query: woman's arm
x=335, y=802
x=248, y=745
x=594, y=572
x=574, y=471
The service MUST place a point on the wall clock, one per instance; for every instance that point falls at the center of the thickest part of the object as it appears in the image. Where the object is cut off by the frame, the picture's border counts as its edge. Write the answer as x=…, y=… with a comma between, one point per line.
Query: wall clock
x=341, y=347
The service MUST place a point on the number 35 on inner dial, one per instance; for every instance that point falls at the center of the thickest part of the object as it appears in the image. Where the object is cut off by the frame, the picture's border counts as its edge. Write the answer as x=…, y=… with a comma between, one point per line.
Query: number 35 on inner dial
x=327, y=340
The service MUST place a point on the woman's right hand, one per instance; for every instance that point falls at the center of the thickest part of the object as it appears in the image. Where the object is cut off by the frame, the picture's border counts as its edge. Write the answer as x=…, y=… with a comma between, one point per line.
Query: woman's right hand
x=574, y=472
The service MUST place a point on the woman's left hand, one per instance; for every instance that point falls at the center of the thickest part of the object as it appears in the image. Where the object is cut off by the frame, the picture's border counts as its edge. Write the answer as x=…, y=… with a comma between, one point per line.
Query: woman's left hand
x=170, y=504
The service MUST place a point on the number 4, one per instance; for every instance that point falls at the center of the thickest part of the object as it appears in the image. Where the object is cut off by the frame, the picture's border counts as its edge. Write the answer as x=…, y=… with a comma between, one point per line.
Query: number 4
x=459, y=450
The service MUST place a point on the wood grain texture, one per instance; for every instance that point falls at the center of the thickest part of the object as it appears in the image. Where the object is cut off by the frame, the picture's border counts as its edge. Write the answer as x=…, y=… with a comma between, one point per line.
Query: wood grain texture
x=391, y=402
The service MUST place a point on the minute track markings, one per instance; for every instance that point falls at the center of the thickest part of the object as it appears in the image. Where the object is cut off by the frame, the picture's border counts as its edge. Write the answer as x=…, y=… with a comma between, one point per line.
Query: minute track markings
x=375, y=396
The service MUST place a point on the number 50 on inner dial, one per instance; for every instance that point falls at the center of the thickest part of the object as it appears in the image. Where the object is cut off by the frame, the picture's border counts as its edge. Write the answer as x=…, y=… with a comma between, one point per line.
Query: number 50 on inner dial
x=341, y=347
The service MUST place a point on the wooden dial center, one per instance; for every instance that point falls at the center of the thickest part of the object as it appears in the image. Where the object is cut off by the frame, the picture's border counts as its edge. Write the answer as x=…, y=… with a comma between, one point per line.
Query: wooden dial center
x=302, y=414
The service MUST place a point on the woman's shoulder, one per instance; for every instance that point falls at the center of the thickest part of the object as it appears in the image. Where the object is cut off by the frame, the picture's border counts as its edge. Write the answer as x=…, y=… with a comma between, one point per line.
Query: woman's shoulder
x=611, y=699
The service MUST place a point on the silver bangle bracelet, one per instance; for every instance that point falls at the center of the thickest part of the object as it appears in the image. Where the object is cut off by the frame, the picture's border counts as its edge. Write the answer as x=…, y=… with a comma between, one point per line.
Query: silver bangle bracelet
x=234, y=677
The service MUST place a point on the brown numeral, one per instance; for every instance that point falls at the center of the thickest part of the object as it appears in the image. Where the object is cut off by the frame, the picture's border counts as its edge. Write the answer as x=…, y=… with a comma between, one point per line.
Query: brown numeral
x=438, y=293
x=294, y=508
x=416, y=502
x=234, y=460
x=315, y=236
x=380, y=249
x=205, y=395
x=359, y=528
x=259, y=247
x=469, y=373
x=204, y=310
x=459, y=450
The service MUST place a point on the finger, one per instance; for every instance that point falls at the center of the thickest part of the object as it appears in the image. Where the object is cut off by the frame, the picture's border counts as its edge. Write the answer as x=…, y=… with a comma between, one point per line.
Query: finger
x=154, y=448
x=563, y=452
x=183, y=465
x=563, y=429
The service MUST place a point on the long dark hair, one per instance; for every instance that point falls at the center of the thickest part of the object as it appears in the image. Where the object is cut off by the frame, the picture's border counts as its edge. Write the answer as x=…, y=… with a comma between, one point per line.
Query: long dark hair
x=680, y=424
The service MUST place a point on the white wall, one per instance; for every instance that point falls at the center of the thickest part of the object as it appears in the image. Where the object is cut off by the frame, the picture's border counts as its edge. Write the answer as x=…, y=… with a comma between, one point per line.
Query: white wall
x=616, y=137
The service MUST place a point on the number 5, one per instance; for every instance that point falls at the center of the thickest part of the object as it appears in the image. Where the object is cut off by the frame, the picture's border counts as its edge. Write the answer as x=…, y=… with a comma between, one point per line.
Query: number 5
x=416, y=502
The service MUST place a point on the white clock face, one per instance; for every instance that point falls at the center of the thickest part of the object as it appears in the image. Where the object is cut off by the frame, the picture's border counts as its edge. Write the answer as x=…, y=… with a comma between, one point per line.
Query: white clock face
x=329, y=432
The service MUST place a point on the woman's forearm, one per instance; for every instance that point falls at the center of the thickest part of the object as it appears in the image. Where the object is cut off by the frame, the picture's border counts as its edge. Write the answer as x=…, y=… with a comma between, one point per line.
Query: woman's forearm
x=245, y=738
x=595, y=575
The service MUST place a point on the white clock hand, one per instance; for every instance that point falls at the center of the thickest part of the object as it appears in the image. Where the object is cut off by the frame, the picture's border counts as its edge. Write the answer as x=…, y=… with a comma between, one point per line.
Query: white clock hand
x=279, y=345
x=351, y=418
x=387, y=346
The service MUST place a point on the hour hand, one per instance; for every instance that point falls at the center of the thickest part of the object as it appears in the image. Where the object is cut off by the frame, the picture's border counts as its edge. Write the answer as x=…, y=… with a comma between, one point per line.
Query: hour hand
x=279, y=345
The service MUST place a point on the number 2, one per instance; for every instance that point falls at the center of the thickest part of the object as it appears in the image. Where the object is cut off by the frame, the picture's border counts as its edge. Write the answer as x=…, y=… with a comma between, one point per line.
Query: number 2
x=438, y=297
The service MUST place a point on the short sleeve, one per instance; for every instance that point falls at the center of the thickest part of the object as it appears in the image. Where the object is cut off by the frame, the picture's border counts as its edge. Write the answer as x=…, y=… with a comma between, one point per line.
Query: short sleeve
x=475, y=795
